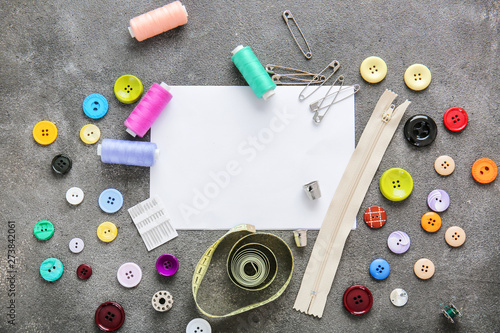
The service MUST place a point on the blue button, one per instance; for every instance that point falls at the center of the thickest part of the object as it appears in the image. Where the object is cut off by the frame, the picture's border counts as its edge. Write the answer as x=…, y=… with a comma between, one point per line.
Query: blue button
x=110, y=200
x=51, y=269
x=95, y=106
x=380, y=269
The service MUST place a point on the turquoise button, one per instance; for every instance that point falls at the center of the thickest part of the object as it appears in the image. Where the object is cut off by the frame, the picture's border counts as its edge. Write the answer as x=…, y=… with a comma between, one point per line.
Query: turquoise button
x=43, y=230
x=51, y=269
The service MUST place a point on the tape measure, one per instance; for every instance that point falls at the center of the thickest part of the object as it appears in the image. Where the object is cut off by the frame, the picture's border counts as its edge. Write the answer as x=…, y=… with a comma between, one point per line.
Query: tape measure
x=259, y=265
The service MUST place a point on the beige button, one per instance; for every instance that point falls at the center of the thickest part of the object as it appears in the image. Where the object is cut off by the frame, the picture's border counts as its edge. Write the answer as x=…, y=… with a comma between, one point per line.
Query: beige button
x=444, y=165
x=373, y=69
x=454, y=236
x=424, y=269
x=418, y=77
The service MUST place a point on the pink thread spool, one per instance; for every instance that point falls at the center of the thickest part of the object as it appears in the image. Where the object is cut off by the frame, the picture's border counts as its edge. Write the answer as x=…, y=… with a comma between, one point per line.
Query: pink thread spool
x=148, y=109
x=158, y=21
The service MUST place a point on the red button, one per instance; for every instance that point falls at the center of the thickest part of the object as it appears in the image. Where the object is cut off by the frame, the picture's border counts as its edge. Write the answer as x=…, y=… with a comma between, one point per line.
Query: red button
x=84, y=271
x=375, y=217
x=109, y=316
x=455, y=119
x=358, y=299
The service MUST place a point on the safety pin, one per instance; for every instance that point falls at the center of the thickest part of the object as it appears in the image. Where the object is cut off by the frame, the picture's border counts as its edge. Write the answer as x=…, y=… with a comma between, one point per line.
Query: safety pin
x=316, y=107
x=270, y=69
x=334, y=64
x=317, y=117
x=287, y=15
x=295, y=77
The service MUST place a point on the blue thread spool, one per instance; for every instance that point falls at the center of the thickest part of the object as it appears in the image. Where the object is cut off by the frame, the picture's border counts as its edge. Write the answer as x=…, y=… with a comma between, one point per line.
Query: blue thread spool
x=253, y=72
x=137, y=153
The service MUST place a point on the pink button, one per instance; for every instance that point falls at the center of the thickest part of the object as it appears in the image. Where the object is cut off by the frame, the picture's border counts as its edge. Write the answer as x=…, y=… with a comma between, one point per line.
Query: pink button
x=129, y=275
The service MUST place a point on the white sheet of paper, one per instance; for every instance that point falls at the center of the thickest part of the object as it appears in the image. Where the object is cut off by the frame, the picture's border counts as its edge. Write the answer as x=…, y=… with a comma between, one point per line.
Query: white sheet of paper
x=228, y=157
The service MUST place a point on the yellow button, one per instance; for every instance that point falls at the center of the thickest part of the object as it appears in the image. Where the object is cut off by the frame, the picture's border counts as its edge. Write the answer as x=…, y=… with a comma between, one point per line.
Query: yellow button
x=396, y=184
x=90, y=134
x=128, y=89
x=373, y=69
x=107, y=231
x=424, y=269
x=444, y=165
x=45, y=132
x=454, y=236
x=431, y=222
x=418, y=77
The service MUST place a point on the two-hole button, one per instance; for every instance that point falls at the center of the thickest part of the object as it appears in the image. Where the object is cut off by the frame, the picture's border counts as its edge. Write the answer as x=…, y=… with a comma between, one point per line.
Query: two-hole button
x=398, y=242
x=438, y=200
x=95, y=106
x=484, y=170
x=51, y=269
x=375, y=217
x=107, y=231
x=43, y=230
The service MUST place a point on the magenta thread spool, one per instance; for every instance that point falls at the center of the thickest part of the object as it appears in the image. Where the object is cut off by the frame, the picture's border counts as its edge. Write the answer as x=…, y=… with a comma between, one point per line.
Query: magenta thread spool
x=167, y=264
x=148, y=109
x=137, y=153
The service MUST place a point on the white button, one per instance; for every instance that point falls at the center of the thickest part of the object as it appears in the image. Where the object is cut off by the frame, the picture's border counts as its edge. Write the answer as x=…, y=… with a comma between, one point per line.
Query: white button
x=74, y=196
x=76, y=245
x=162, y=301
x=198, y=325
x=129, y=275
x=399, y=297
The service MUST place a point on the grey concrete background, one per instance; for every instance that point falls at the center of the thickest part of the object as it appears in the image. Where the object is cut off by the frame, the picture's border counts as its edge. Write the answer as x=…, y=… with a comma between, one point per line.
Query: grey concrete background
x=54, y=53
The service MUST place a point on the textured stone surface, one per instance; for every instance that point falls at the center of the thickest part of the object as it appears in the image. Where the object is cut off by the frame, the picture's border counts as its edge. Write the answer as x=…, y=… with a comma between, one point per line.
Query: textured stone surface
x=54, y=53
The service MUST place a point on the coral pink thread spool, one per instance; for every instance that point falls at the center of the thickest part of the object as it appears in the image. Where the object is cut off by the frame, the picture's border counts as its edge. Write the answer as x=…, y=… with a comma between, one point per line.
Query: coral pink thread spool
x=158, y=21
x=148, y=109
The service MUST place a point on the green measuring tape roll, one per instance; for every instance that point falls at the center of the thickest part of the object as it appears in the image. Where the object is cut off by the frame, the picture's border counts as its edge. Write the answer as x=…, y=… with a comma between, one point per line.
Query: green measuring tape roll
x=247, y=268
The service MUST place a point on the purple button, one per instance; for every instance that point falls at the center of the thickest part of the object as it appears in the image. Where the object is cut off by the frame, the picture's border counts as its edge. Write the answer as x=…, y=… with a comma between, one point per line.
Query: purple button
x=398, y=242
x=438, y=200
x=167, y=265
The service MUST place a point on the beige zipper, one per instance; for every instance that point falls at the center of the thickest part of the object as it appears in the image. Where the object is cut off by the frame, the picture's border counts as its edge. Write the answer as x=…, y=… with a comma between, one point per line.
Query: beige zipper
x=322, y=265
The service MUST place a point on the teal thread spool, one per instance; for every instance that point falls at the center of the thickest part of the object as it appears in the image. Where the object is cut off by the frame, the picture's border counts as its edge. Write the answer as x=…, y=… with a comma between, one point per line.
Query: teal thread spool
x=253, y=72
x=450, y=312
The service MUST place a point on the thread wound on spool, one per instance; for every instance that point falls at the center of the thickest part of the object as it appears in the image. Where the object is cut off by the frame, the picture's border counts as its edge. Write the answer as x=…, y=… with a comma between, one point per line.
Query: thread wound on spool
x=158, y=21
x=148, y=110
x=137, y=153
x=253, y=72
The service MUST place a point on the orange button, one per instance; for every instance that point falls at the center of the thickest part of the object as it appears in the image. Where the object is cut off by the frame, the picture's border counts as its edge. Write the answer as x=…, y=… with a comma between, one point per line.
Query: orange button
x=431, y=222
x=454, y=236
x=424, y=269
x=484, y=170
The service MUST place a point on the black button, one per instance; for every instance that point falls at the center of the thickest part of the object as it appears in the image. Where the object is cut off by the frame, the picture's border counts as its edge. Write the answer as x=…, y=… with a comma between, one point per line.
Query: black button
x=420, y=130
x=61, y=164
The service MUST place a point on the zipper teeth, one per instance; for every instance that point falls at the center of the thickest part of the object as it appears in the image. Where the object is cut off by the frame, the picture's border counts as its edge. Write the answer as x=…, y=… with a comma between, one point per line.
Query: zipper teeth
x=351, y=193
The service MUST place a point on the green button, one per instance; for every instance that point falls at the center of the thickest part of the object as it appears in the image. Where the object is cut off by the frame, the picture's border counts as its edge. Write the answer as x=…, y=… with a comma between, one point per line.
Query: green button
x=396, y=184
x=128, y=89
x=51, y=269
x=43, y=230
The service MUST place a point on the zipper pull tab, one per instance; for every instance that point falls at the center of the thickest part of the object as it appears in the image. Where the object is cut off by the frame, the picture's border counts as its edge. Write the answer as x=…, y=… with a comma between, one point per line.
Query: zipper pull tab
x=386, y=117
